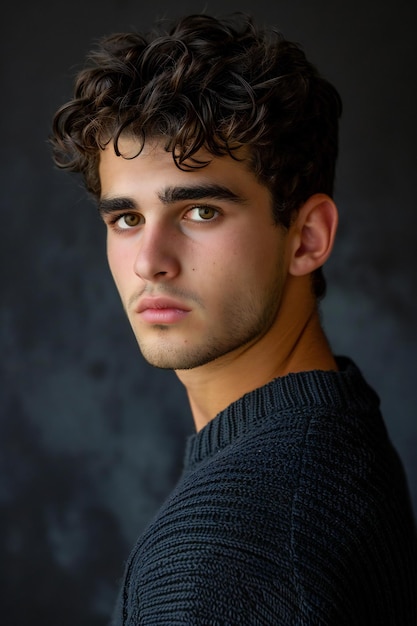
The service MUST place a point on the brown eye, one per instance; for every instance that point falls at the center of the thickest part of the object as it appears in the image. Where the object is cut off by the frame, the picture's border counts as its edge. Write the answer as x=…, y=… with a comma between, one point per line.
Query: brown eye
x=203, y=214
x=129, y=220
x=206, y=213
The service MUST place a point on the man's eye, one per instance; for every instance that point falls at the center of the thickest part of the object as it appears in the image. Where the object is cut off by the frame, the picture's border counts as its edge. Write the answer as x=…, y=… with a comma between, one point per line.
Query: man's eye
x=202, y=214
x=128, y=220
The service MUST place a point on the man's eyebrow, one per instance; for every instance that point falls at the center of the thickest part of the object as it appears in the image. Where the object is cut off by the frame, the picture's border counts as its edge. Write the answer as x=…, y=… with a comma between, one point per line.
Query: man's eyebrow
x=214, y=191
x=171, y=194
x=106, y=206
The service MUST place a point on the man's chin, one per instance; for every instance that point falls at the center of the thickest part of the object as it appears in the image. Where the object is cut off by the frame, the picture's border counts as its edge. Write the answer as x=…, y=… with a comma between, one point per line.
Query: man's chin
x=171, y=359
x=162, y=358
x=166, y=363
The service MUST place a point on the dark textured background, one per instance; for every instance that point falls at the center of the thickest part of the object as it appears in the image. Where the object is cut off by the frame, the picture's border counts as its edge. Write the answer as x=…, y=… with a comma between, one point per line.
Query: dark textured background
x=91, y=438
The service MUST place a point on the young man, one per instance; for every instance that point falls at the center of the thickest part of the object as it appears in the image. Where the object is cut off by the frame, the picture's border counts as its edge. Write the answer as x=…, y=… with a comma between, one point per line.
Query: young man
x=211, y=150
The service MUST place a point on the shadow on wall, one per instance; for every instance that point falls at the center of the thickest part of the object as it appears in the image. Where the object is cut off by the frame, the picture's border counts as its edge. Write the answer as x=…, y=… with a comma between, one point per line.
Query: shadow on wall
x=54, y=541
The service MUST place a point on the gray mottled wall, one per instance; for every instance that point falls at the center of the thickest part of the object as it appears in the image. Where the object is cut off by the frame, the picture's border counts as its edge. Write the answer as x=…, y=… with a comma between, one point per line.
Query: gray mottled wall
x=91, y=438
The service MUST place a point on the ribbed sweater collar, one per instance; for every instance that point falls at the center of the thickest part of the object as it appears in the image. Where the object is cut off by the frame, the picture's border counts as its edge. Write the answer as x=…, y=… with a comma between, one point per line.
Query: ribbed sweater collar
x=343, y=389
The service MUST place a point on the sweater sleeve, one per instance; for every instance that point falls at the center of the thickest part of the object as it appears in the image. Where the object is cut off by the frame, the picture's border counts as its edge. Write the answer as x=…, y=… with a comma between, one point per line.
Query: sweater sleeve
x=353, y=540
x=218, y=552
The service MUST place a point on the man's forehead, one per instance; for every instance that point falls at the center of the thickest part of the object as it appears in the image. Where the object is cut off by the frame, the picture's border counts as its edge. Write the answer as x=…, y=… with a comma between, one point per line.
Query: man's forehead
x=151, y=172
x=129, y=145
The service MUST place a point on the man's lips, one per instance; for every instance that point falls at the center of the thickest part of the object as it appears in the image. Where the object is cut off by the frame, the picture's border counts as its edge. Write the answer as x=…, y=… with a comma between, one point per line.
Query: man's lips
x=161, y=310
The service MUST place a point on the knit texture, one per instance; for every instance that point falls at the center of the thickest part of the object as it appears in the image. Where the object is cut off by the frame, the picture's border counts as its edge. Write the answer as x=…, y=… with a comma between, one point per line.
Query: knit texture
x=293, y=509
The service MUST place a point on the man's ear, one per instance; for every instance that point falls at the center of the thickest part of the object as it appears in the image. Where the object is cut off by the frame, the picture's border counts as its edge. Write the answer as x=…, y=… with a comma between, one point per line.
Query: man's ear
x=312, y=234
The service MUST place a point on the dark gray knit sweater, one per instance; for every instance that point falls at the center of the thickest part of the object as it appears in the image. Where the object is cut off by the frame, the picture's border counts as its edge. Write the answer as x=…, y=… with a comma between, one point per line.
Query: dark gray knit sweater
x=292, y=510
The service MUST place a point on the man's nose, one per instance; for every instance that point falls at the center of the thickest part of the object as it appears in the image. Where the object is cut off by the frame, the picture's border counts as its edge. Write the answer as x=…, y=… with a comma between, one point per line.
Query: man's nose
x=157, y=254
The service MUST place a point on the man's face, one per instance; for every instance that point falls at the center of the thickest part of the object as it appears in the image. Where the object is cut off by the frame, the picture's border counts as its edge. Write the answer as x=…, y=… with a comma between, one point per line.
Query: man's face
x=197, y=259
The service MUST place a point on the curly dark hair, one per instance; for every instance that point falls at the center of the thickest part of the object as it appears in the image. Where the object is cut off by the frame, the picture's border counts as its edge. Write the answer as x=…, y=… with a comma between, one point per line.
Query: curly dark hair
x=208, y=83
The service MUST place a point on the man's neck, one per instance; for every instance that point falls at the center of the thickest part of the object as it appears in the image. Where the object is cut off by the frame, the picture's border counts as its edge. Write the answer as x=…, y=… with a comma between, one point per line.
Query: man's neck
x=294, y=343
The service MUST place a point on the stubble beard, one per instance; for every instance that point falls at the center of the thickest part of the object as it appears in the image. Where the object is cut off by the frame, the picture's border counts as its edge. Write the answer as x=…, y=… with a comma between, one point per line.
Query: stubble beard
x=240, y=327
